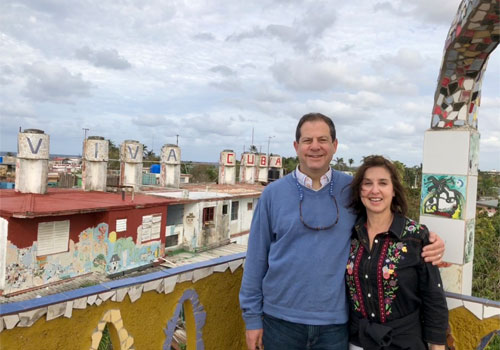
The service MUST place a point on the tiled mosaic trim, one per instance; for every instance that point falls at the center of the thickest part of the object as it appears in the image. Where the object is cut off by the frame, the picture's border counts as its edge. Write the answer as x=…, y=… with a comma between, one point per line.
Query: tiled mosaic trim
x=481, y=308
x=113, y=317
x=26, y=313
x=473, y=35
x=200, y=317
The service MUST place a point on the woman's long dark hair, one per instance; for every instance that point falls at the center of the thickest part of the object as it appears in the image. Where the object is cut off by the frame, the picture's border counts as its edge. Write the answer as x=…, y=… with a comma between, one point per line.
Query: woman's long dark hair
x=398, y=205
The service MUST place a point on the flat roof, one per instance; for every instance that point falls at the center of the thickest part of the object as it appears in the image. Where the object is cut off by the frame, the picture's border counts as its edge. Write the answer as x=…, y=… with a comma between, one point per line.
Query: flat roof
x=206, y=191
x=71, y=201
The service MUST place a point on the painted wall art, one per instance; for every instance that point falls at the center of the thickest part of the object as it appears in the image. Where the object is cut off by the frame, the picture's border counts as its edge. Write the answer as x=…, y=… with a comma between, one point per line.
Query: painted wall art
x=444, y=195
x=96, y=251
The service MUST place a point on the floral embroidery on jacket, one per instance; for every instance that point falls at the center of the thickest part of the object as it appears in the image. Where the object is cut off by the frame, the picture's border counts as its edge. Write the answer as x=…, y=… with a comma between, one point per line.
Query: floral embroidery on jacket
x=350, y=278
x=394, y=254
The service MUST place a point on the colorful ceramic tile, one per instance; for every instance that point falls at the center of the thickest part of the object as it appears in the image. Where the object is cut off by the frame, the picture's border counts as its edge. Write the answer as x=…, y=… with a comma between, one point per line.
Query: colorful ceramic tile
x=443, y=195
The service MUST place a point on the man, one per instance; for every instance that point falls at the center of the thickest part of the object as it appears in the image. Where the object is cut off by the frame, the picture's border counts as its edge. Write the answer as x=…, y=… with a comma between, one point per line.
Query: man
x=293, y=291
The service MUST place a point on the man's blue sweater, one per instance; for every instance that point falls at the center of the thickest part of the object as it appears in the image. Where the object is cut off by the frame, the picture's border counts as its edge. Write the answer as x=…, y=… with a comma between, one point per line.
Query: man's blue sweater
x=291, y=272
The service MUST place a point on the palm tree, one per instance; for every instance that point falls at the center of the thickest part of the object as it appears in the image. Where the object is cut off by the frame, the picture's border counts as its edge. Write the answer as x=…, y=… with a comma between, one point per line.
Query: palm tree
x=351, y=161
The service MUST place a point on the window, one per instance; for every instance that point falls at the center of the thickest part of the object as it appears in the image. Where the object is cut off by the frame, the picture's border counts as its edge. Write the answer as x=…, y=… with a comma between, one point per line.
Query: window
x=171, y=241
x=175, y=213
x=53, y=237
x=208, y=214
x=234, y=210
x=224, y=209
x=121, y=225
x=151, y=227
x=249, y=206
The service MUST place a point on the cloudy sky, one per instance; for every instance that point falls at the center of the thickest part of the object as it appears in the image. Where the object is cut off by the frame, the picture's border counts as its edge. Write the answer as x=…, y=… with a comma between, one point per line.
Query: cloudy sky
x=213, y=71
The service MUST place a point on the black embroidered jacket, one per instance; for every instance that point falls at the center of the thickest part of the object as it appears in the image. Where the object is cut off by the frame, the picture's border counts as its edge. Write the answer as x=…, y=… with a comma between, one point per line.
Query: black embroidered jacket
x=392, y=282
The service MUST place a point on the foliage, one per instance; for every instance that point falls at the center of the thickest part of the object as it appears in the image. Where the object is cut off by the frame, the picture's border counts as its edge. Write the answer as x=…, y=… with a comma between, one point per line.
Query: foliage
x=290, y=164
x=204, y=173
x=105, y=343
x=149, y=155
x=486, y=281
x=114, y=156
x=340, y=164
x=487, y=185
x=494, y=343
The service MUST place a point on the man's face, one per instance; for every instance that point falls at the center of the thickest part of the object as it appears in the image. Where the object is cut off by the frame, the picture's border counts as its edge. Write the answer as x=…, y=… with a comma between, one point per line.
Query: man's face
x=315, y=148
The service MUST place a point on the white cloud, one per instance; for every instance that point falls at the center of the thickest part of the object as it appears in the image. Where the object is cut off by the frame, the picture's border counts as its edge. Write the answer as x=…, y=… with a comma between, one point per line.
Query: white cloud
x=107, y=58
x=51, y=83
x=213, y=71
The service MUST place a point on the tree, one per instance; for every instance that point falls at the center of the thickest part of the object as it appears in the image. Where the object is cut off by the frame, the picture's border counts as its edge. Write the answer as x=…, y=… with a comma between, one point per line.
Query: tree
x=149, y=155
x=204, y=173
x=351, y=161
x=340, y=164
x=486, y=281
x=290, y=164
x=114, y=156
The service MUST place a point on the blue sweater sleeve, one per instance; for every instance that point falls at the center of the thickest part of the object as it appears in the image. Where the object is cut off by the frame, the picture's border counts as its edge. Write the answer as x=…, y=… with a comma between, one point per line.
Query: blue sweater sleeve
x=256, y=264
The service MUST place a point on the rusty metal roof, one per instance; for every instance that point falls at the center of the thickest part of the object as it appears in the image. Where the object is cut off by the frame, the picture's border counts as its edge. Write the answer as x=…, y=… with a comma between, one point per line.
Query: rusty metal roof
x=71, y=201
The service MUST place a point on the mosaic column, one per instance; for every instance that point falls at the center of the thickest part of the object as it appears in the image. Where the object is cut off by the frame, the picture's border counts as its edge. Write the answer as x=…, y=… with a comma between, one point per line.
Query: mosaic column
x=451, y=146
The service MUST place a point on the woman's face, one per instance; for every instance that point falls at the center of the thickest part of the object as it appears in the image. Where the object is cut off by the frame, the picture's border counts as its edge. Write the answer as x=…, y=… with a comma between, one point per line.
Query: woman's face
x=377, y=190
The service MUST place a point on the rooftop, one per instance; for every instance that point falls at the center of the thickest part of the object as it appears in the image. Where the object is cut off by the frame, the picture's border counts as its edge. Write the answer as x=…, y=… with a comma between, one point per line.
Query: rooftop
x=70, y=201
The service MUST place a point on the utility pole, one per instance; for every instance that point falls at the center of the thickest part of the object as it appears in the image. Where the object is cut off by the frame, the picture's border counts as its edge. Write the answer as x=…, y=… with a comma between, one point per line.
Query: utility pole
x=177, y=142
x=268, y=143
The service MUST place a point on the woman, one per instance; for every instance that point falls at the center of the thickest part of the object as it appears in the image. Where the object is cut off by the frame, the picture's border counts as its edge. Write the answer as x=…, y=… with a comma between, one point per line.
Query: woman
x=396, y=299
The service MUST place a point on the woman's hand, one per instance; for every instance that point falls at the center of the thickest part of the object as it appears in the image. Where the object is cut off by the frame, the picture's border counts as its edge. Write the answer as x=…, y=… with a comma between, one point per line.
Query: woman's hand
x=437, y=347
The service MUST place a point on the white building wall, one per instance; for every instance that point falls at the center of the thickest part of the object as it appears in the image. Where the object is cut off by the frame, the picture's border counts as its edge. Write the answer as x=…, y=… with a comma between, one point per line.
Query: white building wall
x=4, y=226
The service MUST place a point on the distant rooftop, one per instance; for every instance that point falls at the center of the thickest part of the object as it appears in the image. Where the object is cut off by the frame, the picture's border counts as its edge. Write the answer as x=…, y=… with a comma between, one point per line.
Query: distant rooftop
x=70, y=201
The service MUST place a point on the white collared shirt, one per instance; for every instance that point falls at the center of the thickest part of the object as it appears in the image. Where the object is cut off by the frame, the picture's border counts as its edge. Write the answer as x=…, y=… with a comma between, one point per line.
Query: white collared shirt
x=306, y=181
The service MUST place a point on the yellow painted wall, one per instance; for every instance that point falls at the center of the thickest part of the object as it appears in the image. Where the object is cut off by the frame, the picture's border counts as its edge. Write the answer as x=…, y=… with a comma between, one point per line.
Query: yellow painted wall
x=467, y=330
x=144, y=320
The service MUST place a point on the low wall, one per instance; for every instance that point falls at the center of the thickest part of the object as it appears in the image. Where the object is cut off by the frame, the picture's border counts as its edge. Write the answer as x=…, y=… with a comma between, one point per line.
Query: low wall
x=141, y=313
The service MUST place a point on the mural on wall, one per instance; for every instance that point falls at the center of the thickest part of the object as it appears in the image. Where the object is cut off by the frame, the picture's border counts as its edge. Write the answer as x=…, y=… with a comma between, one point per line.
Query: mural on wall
x=96, y=251
x=443, y=195
x=469, y=241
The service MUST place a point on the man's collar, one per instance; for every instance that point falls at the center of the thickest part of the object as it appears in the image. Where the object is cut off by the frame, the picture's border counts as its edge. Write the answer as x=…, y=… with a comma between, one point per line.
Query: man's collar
x=306, y=180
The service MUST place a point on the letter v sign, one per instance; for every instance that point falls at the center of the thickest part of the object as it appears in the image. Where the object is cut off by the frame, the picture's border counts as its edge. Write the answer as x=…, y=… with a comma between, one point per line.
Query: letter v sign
x=34, y=151
x=133, y=155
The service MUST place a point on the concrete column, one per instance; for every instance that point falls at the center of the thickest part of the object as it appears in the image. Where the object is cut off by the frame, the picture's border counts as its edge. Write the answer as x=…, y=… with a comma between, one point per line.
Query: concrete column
x=247, y=168
x=227, y=167
x=276, y=162
x=131, y=153
x=32, y=164
x=170, y=174
x=262, y=168
x=95, y=163
x=448, y=202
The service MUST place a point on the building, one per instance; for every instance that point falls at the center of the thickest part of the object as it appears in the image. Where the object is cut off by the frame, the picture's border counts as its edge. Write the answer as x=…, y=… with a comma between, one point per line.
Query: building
x=67, y=233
